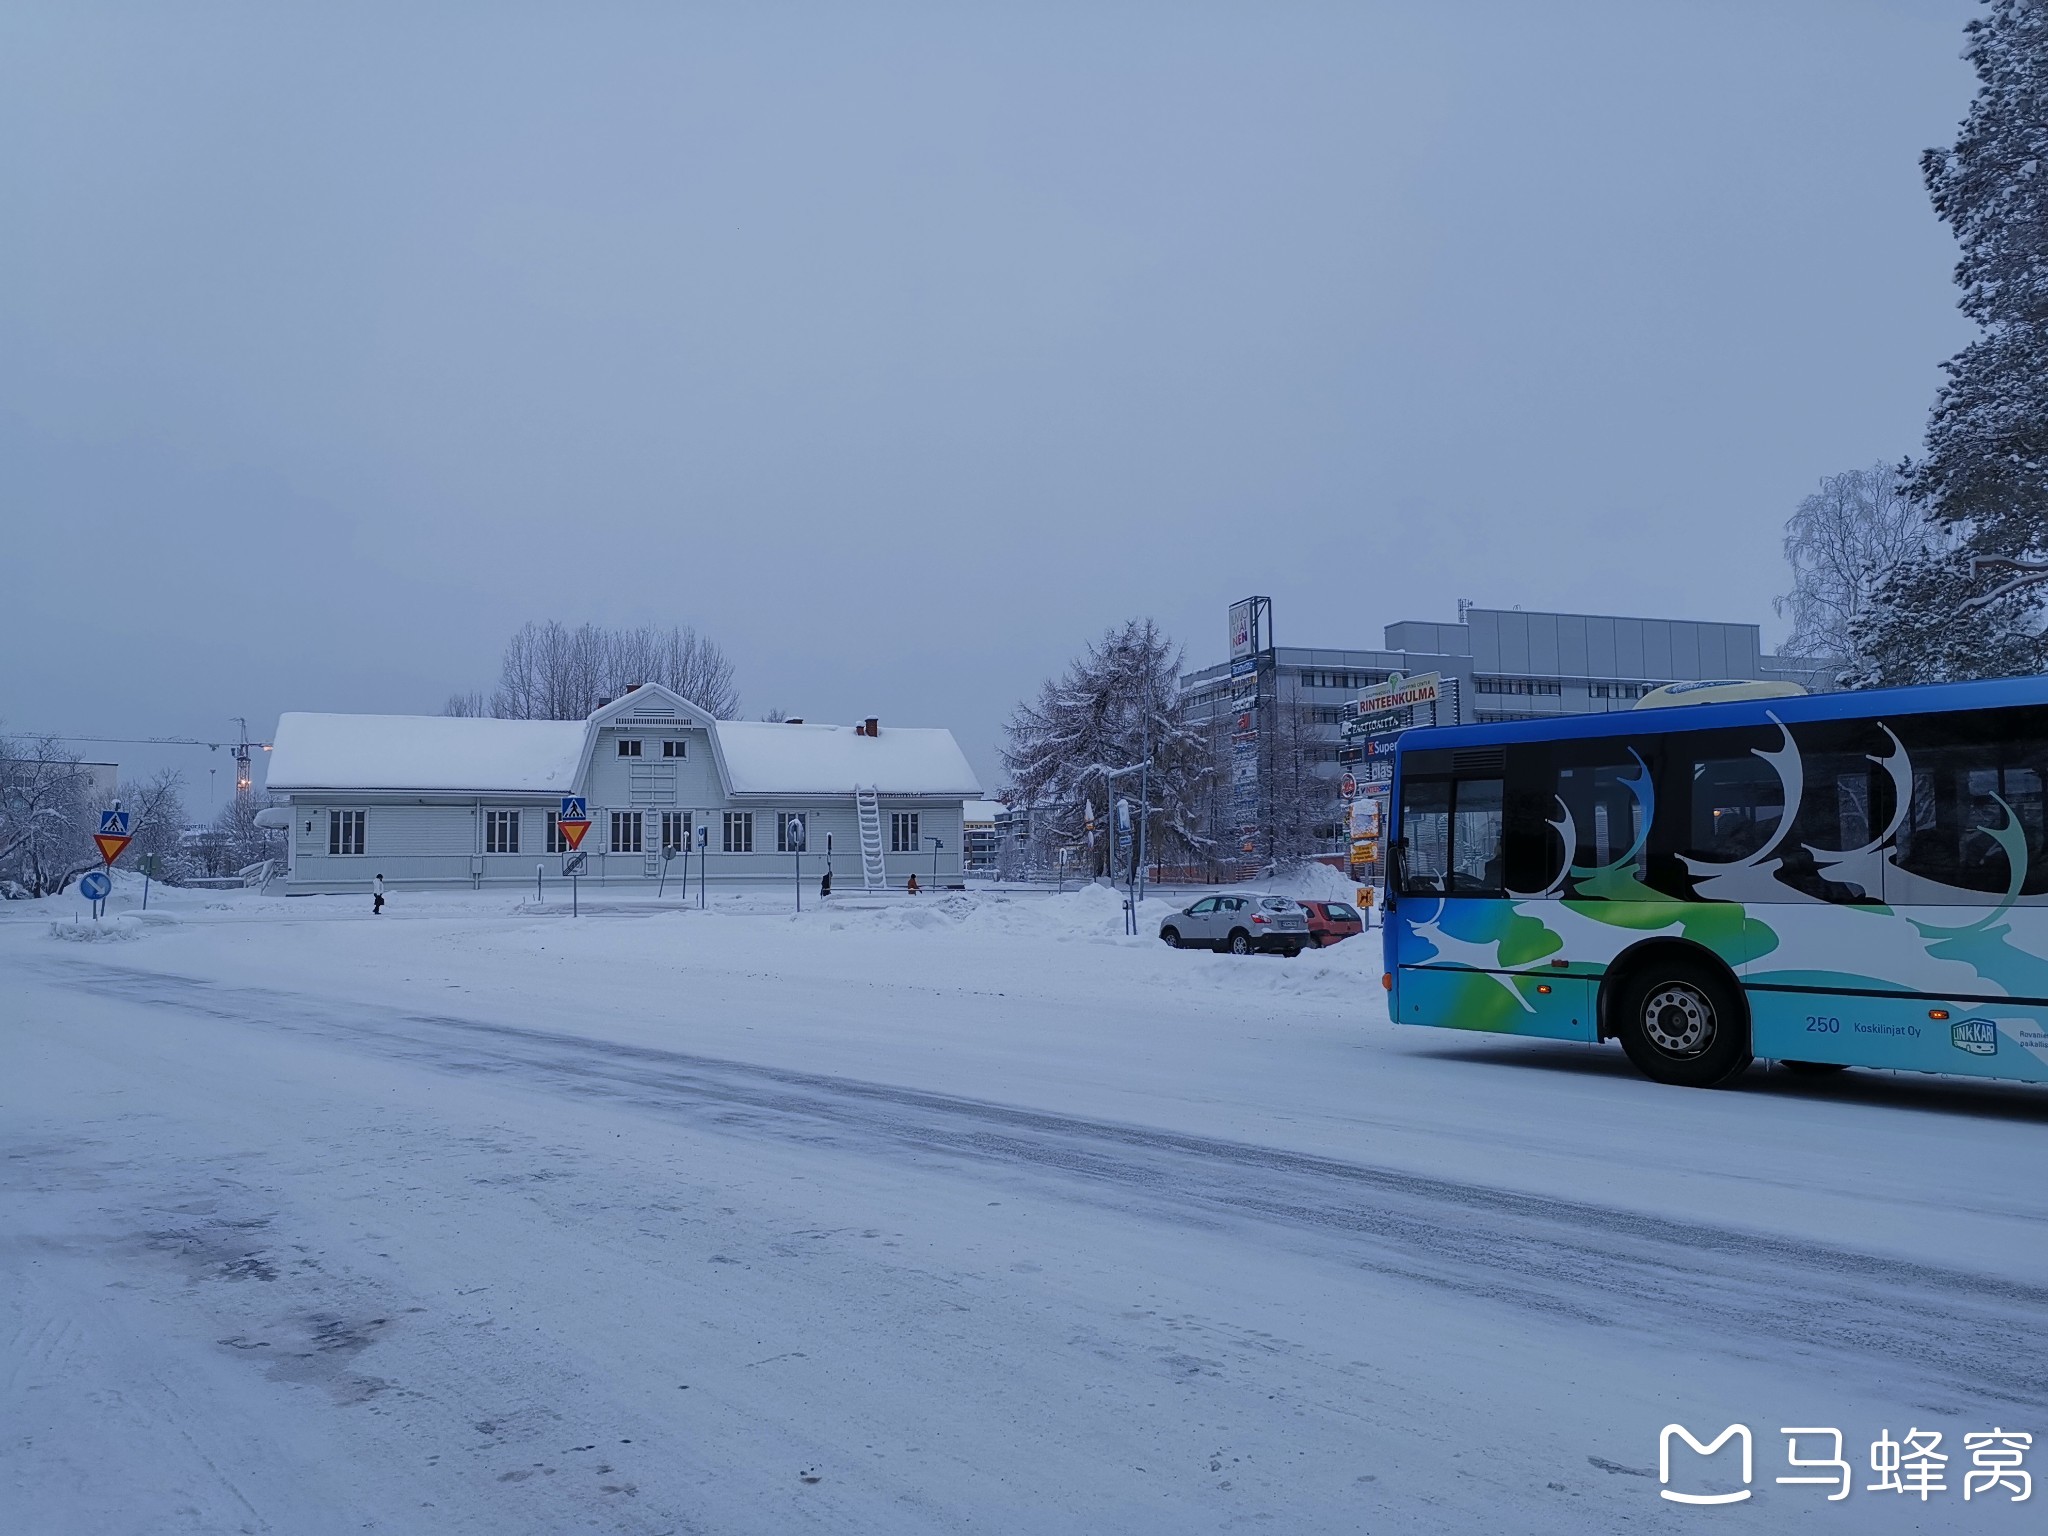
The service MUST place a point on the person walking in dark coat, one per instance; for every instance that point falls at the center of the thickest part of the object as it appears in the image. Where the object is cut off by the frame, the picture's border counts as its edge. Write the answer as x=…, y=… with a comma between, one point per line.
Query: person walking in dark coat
x=377, y=897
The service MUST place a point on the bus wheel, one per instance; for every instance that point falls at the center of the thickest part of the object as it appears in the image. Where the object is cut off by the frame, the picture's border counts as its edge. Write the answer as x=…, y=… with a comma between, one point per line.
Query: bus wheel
x=1814, y=1068
x=1682, y=1024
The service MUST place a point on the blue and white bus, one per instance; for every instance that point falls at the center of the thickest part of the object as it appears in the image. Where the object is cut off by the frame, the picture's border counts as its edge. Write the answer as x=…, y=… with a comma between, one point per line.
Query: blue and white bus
x=1827, y=881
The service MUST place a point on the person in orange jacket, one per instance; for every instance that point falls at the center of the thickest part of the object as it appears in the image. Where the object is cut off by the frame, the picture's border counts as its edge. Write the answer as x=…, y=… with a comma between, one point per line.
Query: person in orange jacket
x=911, y=886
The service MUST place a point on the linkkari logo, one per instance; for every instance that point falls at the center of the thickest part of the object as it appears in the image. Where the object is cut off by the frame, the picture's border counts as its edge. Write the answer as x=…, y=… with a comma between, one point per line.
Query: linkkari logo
x=1977, y=1036
x=1732, y=1432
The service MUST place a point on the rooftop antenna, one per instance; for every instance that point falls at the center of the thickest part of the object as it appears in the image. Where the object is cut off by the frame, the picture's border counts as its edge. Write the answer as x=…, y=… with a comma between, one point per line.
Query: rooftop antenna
x=1465, y=606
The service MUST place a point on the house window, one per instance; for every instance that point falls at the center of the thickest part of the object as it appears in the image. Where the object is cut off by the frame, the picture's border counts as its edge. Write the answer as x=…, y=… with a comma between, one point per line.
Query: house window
x=739, y=831
x=625, y=831
x=675, y=829
x=556, y=842
x=903, y=831
x=784, y=838
x=501, y=831
x=345, y=831
x=675, y=749
x=629, y=746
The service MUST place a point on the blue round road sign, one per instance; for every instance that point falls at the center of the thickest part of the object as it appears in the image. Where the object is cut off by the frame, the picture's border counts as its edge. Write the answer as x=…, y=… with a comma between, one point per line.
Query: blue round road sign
x=94, y=887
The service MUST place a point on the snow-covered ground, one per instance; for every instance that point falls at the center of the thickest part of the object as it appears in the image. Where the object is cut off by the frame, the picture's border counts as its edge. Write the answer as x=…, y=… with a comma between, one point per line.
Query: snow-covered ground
x=967, y=1213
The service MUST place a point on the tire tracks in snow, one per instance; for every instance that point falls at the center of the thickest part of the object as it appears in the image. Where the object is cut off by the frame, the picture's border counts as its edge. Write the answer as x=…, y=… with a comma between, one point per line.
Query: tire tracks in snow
x=1679, y=1282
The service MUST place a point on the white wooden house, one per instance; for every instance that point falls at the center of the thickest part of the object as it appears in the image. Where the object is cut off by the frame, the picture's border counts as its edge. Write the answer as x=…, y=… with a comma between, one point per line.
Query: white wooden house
x=435, y=801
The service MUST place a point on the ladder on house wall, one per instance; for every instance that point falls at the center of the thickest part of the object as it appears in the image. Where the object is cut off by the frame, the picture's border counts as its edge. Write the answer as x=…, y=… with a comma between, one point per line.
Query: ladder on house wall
x=874, y=872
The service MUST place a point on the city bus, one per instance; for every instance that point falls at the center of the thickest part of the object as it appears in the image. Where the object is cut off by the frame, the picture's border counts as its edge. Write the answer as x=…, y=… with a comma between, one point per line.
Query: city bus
x=1825, y=881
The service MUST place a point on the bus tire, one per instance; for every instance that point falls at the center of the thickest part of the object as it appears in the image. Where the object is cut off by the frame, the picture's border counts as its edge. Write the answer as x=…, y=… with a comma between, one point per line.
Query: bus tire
x=1681, y=1023
x=1814, y=1068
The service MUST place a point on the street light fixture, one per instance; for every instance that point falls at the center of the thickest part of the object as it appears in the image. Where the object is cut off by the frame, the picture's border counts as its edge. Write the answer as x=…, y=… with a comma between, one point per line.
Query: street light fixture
x=937, y=843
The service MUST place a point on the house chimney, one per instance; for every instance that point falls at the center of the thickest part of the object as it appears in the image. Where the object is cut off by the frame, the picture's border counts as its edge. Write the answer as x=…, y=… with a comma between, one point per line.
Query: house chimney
x=632, y=688
x=603, y=699
x=874, y=726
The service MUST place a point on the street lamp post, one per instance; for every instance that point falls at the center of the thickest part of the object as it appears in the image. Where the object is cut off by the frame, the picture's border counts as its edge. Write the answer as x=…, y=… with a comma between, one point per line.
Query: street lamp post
x=937, y=843
x=1144, y=772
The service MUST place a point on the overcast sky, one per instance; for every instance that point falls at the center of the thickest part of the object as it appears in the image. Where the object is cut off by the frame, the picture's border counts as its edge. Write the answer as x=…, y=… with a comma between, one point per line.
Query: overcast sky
x=903, y=348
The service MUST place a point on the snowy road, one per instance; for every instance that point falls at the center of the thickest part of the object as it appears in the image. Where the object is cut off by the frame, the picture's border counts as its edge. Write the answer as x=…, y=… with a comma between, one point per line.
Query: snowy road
x=300, y=1243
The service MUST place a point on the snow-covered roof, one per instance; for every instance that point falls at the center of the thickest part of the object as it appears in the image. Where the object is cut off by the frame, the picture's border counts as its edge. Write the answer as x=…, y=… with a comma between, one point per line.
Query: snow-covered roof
x=482, y=756
x=771, y=758
x=436, y=752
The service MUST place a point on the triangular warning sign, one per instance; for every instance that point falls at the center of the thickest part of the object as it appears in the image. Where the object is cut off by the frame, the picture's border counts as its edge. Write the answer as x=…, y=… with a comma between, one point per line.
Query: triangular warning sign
x=572, y=832
x=111, y=845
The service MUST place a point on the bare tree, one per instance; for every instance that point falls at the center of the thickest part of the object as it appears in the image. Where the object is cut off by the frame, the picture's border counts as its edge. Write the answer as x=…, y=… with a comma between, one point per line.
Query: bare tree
x=552, y=672
x=234, y=841
x=156, y=812
x=468, y=705
x=45, y=819
x=1841, y=543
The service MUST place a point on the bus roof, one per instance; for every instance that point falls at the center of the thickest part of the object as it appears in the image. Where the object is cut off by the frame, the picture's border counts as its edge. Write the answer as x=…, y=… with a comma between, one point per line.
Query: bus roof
x=1849, y=704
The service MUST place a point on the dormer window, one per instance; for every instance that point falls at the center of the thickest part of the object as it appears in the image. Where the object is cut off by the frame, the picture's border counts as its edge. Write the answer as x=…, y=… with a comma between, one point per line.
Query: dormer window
x=675, y=749
x=629, y=746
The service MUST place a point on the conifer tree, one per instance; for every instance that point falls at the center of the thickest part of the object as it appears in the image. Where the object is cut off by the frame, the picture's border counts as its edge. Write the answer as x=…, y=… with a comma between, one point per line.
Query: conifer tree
x=1970, y=602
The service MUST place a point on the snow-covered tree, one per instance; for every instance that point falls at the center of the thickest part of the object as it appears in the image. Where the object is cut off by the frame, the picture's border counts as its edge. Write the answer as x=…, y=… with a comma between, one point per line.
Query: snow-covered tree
x=1117, y=703
x=234, y=842
x=1974, y=608
x=46, y=819
x=1841, y=542
x=156, y=812
x=552, y=672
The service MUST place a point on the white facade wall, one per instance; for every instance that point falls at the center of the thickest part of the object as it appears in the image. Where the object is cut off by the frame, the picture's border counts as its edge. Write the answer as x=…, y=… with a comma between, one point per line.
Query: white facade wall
x=439, y=839
x=441, y=843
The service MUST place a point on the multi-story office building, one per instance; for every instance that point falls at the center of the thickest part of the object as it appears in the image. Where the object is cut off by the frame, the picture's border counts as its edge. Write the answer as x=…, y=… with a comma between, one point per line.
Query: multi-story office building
x=1497, y=664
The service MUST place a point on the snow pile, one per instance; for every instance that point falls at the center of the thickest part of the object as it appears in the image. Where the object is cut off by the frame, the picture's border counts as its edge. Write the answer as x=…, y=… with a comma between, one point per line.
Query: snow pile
x=1314, y=882
x=1094, y=913
x=113, y=930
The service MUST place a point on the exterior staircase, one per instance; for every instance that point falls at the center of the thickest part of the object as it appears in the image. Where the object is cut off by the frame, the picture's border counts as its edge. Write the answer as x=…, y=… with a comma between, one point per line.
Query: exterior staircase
x=874, y=871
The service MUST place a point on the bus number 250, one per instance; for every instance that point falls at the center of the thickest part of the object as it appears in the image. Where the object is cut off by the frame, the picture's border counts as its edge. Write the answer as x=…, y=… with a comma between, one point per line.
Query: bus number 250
x=1816, y=1025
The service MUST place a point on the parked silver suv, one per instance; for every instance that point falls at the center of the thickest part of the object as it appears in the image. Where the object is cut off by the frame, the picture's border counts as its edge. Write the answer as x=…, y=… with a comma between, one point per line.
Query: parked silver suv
x=1238, y=922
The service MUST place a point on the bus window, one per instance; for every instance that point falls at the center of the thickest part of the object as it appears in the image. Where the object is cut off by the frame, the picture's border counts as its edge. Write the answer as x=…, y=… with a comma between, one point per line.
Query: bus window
x=1845, y=803
x=1476, y=845
x=1737, y=803
x=1426, y=837
x=1451, y=835
x=1963, y=767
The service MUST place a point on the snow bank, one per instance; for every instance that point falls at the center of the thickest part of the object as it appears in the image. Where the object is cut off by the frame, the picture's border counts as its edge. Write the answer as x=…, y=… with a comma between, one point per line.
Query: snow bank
x=112, y=930
x=1093, y=912
x=1314, y=882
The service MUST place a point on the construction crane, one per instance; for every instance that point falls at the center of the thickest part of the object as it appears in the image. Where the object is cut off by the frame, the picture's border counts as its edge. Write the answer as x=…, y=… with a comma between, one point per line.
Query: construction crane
x=243, y=748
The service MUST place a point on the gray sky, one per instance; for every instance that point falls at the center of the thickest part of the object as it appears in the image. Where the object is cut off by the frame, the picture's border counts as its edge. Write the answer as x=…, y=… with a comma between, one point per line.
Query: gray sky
x=903, y=348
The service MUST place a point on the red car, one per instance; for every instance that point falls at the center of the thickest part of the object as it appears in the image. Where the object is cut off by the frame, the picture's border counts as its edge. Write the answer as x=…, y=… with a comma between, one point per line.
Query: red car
x=1331, y=921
